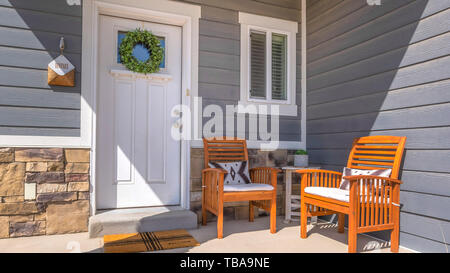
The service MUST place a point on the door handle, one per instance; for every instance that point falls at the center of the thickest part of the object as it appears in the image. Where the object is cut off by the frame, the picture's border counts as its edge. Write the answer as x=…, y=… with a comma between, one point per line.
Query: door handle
x=177, y=113
x=177, y=125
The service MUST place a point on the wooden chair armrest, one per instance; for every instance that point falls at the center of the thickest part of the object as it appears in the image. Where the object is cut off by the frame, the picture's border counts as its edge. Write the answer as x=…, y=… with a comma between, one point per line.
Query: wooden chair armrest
x=355, y=178
x=316, y=177
x=267, y=175
x=213, y=177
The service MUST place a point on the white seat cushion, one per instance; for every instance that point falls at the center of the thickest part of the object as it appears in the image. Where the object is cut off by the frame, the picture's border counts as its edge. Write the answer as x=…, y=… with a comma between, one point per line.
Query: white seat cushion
x=248, y=187
x=341, y=195
x=333, y=193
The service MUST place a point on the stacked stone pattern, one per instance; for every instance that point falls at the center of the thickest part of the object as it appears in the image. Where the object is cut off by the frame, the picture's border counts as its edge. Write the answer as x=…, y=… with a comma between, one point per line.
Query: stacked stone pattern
x=43, y=191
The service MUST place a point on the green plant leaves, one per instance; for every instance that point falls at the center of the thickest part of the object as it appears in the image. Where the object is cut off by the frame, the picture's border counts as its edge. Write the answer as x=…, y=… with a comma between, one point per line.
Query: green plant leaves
x=149, y=41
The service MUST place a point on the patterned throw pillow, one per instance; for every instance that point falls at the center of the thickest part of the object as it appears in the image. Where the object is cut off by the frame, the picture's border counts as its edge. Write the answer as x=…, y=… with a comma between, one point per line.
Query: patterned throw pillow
x=345, y=184
x=237, y=172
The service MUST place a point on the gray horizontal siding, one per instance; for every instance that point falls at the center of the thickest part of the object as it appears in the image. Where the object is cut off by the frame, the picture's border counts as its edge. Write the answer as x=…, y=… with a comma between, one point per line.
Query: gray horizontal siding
x=419, y=95
x=398, y=18
x=383, y=70
x=35, y=131
x=349, y=22
x=219, y=56
x=379, y=44
x=275, y=8
x=417, y=117
x=30, y=58
x=30, y=32
x=41, y=40
x=411, y=55
x=34, y=78
x=429, y=138
x=32, y=97
x=42, y=21
x=427, y=72
x=49, y=6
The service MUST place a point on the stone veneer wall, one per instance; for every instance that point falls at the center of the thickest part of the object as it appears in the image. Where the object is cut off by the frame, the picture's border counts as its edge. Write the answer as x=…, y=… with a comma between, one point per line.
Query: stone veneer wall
x=239, y=210
x=43, y=191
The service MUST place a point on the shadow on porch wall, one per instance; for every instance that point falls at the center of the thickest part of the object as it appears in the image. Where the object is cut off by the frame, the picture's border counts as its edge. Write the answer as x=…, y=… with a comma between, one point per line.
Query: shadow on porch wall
x=382, y=70
x=31, y=32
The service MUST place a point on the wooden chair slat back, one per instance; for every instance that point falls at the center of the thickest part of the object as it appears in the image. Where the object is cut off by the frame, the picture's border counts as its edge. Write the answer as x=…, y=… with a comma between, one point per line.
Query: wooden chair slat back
x=377, y=152
x=221, y=150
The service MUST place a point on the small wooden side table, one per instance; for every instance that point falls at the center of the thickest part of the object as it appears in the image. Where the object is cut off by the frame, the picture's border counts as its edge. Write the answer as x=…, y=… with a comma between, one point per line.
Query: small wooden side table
x=293, y=201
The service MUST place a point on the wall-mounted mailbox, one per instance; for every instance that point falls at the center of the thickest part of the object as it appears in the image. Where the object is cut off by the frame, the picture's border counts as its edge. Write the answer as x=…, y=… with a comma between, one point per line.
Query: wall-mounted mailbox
x=60, y=71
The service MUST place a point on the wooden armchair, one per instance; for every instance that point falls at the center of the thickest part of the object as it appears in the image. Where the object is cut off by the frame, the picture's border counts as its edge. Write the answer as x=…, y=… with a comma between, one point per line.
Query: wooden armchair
x=372, y=203
x=262, y=192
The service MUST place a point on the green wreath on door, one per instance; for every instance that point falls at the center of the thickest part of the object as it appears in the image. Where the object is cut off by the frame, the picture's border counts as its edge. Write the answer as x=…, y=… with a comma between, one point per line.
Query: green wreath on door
x=148, y=41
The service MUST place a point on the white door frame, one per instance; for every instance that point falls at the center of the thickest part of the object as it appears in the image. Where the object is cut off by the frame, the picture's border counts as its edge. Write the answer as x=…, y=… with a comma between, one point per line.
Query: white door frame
x=160, y=11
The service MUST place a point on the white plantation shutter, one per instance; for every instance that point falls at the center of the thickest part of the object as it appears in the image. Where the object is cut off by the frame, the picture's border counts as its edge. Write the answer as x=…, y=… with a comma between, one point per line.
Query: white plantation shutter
x=257, y=65
x=279, y=67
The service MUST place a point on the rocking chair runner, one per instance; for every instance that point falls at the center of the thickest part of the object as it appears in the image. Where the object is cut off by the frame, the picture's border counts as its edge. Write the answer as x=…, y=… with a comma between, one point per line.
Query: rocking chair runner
x=213, y=194
x=372, y=203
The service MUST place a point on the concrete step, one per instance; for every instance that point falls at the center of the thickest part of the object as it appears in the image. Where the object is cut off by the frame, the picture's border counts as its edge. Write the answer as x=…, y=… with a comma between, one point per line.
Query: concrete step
x=118, y=221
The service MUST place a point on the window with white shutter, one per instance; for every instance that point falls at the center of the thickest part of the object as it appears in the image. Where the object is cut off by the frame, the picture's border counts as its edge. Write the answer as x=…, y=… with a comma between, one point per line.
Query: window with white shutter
x=257, y=65
x=279, y=77
x=268, y=62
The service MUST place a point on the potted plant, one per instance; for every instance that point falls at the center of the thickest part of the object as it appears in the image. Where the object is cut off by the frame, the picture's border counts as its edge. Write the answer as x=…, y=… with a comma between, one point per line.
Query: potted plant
x=301, y=158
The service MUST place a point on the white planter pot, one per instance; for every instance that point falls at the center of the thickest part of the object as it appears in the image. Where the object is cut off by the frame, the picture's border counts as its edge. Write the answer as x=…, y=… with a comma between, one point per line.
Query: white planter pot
x=301, y=160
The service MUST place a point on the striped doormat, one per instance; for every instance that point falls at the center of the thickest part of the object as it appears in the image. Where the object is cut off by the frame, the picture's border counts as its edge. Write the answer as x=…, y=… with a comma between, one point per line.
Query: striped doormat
x=148, y=241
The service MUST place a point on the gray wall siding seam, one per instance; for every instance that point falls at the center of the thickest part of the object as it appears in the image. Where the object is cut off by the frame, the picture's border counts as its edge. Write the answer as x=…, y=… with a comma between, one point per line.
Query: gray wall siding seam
x=38, y=127
x=38, y=107
x=217, y=52
x=427, y=238
x=43, y=31
x=425, y=193
x=220, y=22
x=375, y=130
x=214, y=36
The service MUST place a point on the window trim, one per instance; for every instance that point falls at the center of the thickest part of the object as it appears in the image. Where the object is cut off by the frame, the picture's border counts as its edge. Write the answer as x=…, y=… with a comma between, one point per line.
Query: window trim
x=268, y=25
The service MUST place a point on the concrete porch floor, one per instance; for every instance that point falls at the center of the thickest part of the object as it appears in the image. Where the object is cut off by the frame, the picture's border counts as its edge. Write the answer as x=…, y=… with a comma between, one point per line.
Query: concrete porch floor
x=239, y=236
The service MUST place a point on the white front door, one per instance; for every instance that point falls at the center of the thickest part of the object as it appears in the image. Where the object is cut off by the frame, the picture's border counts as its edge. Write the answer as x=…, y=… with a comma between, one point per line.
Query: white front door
x=138, y=162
